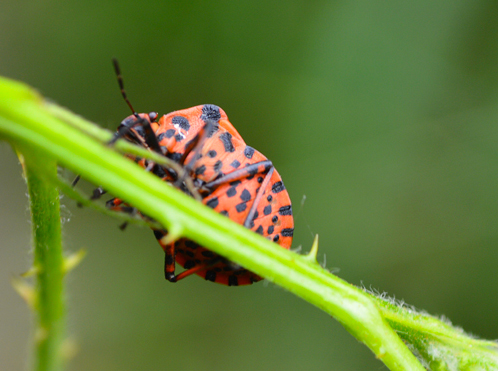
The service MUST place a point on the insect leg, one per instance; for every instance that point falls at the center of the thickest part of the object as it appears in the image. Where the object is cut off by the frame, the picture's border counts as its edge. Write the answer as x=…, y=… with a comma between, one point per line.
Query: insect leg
x=194, y=146
x=76, y=180
x=253, y=169
x=196, y=269
x=170, y=265
x=125, y=129
x=97, y=193
x=259, y=196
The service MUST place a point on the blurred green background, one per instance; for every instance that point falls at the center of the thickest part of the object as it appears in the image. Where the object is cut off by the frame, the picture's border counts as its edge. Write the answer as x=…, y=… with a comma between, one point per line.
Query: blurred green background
x=383, y=114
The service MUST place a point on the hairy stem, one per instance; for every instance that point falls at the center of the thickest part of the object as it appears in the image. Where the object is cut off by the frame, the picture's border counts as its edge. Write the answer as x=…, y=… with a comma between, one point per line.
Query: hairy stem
x=48, y=264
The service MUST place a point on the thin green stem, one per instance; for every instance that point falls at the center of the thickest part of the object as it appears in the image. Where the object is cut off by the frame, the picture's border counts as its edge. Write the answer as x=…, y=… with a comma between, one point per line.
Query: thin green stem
x=48, y=264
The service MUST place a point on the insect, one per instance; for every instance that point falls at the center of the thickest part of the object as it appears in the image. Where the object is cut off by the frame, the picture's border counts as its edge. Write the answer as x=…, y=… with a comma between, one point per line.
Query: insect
x=231, y=177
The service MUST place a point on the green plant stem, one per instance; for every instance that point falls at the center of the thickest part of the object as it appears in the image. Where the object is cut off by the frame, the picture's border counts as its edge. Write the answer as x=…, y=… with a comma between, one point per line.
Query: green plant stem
x=431, y=336
x=48, y=264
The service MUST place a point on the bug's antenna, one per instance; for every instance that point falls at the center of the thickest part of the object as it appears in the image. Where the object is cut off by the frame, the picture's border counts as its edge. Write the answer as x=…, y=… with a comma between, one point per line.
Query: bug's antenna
x=121, y=85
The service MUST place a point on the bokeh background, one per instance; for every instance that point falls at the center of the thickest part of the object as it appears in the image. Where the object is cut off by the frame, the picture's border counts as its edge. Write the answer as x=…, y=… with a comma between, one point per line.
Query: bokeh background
x=382, y=115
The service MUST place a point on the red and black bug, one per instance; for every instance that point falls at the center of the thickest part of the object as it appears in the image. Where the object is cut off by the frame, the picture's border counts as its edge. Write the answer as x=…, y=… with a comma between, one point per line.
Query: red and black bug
x=231, y=177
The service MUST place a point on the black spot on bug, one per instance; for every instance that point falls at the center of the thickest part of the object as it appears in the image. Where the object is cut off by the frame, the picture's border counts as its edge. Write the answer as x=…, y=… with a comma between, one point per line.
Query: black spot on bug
x=175, y=156
x=226, y=139
x=269, y=198
x=251, y=224
x=267, y=210
x=159, y=171
x=211, y=112
x=169, y=133
x=212, y=153
x=256, y=214
x=260, y=179
x=139, y=130
x=274, y=219
x=277, y=187
x=218, y=165
x=182, y=122
x=178, y=243
x=179, y=137
x=212, y=203
x=285, y=210
x=189, y=253
x=259, y=230
x=169, y=259
x=189, y=264
x=208, y=254
x=200, y=170
x=276, y=238
x=240, y=207
x=161, y=136
x=235, y=164
x=271, y=228
x=287, y=232
x=245, y=195
x=224, y=212
x=211, y=275
x=233, y=280
x=235, y=183
x=253, y=172
x=248, y=152
x=191, y=244
x=232, y=191
x=159, y=234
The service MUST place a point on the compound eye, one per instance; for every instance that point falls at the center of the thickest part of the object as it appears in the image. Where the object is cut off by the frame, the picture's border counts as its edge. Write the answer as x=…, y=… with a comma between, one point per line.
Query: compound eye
x=153, y=116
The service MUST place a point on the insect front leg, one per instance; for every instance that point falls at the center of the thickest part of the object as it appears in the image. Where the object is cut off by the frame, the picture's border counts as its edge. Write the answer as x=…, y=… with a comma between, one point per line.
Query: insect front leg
x=169, y=263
